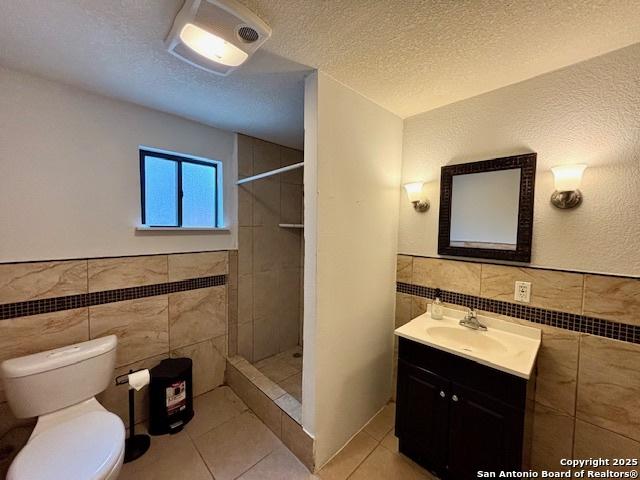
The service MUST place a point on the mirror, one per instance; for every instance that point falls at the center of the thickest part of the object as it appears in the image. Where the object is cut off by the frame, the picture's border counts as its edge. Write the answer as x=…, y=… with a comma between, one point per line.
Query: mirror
x=486, y=208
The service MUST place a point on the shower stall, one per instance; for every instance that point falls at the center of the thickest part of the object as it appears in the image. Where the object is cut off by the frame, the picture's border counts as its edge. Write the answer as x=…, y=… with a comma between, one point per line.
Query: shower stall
x=270, y=265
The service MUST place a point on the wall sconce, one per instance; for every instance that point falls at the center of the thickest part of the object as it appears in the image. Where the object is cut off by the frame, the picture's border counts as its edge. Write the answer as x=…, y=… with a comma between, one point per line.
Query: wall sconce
x=415, y=195
x=567, y=180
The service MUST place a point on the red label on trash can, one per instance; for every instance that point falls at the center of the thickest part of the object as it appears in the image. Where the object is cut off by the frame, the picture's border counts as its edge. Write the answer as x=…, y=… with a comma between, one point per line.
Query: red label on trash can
x=176, y=397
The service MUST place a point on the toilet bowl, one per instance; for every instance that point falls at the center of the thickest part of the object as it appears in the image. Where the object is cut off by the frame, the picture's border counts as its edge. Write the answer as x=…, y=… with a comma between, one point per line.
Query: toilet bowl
x=75, y=437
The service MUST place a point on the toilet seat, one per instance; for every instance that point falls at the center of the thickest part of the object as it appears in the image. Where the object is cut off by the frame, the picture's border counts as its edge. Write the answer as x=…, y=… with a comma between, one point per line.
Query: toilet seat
x=85, y=447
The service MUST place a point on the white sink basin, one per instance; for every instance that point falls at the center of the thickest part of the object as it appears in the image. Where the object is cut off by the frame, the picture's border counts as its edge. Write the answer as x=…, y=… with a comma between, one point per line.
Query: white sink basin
x=505, y=346
x=468, y=340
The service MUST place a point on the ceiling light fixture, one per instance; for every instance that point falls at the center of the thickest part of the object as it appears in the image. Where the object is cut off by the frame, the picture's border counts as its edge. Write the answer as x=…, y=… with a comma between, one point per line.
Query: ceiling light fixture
x=216, y=35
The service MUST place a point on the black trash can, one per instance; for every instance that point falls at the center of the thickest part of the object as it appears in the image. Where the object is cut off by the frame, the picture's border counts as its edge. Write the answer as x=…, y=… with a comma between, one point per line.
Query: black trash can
x=170, y=396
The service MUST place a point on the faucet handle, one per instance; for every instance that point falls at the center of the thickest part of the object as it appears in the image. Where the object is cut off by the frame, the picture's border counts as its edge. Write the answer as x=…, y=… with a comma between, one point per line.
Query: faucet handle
x=471, y=313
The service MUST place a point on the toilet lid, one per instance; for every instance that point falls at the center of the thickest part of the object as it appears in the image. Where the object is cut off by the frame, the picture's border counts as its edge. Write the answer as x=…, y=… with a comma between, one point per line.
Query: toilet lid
x=84, y=448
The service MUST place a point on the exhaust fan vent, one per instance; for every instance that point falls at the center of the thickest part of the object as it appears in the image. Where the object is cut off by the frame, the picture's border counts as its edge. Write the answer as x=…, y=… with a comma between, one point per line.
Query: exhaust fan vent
x=248, y=34
x=216, y=35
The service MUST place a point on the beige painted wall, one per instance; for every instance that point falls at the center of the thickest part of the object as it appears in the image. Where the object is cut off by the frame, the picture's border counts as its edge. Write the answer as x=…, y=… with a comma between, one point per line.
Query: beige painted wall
x=586, y=113
x=357, y=169
x=69, y=172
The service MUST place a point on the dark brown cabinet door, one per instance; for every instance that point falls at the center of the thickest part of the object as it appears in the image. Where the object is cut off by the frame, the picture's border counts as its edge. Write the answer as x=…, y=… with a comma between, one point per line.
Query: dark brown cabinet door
x=483, y=435
x=422, y=416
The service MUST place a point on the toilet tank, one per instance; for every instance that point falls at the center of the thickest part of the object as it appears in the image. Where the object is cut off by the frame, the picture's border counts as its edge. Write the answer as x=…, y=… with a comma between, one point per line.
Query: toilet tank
x=48, y=381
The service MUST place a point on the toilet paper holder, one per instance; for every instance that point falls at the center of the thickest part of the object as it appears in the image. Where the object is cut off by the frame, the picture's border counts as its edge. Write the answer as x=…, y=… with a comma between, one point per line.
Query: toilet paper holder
x=137, y=444
x=124, y=378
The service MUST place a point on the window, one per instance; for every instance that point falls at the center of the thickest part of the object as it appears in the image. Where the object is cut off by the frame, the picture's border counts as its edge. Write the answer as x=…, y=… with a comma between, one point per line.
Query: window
x=179, y=190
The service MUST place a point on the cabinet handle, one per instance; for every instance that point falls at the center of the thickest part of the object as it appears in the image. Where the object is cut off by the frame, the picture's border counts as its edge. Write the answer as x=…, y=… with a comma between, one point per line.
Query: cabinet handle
x=454, y=398
x=442, y=394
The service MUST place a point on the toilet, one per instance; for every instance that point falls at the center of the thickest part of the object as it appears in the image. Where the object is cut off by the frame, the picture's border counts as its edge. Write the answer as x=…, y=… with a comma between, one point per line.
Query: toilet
x=75, y=437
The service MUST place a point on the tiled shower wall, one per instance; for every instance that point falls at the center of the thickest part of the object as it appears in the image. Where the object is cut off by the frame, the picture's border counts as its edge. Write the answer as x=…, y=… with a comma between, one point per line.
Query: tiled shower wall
x=269, y=256
x=159, y=306
x=588, y=386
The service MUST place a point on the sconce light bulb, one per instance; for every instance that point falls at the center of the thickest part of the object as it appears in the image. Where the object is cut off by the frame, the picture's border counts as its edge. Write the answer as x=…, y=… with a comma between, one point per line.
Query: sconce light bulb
x=415, y=196
x=567, y=180
x=568, y=177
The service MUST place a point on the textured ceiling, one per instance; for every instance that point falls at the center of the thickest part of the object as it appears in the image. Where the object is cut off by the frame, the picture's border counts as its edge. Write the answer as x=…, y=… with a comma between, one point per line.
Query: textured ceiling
x=115, y=47
x=407, y=55
x=411, y=56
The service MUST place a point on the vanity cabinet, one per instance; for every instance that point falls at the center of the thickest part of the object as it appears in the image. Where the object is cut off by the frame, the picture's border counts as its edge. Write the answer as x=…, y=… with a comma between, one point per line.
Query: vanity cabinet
x=456, y=417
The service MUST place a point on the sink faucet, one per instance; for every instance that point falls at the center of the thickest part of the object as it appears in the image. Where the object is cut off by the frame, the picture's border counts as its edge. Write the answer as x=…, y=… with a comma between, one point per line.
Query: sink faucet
x=471, y=321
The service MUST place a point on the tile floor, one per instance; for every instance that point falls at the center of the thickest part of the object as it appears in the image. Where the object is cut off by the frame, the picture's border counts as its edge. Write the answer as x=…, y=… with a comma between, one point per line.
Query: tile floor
x=226, y=441
x=373, y=455
x=285, y=369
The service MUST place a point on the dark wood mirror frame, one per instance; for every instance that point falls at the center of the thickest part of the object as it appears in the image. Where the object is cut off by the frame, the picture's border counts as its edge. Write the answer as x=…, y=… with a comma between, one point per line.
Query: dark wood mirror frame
x=527, y=164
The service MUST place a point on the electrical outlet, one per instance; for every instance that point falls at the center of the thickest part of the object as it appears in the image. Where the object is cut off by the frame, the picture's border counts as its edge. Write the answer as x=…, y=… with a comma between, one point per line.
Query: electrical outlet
x=523, y=292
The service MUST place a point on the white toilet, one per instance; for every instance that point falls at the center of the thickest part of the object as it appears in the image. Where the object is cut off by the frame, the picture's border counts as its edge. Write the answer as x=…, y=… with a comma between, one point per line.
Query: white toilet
x=75, y=437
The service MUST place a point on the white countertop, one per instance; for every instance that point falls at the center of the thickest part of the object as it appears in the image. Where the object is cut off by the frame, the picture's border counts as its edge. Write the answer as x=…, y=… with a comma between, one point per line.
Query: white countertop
x=505, y=346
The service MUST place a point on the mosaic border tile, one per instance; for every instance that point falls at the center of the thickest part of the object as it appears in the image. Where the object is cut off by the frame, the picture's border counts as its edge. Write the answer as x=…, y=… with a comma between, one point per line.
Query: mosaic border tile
x=56, y=304
x=553, y=318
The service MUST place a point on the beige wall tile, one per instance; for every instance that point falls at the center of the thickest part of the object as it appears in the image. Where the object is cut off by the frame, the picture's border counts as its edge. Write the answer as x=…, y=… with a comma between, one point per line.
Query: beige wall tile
x=462, y=277
x=194, y=265
x=288, y=317
x=552, y=438
x=613, y=298
x=266, y=296
x=245, y=250
x=267, y=248
x=245, y=340
x=596, y=442
x=609, y=385
x=20, y=282
x=240, y=384
x=123, y=272
x=289, y=156
x=267, y=411
x=289, y=242
x=245, y=156
x=558, y=369
x=245, y=205
x=403, y=309
x=549, y=289
x=232, y=306
x=245, y=299
x=209, y=363
x=232, y=347
x=404, y=268
x=232, y=281
x=116, y=398
x=266, y=202
x=37, y=333
x=266, y=338
x=197, y=315
x=142, y=327
x=266, y=156
x=291, y=203
x=419, y=306
x=296, y=440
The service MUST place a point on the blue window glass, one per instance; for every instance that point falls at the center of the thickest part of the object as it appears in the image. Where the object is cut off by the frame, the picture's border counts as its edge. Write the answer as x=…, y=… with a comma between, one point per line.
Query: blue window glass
x=199, y=195
x=178, y=191
x=161, y=191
